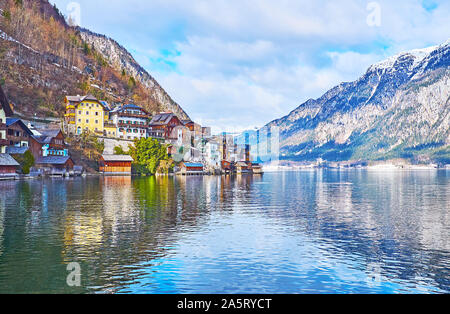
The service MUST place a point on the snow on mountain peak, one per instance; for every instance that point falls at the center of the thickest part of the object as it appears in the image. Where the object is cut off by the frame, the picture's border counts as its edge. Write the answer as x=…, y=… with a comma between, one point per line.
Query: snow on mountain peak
x=417, y=54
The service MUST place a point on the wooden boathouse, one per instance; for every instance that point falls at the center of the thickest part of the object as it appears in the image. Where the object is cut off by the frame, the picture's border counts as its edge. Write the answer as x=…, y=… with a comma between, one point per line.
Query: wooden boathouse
x=115, y=164
x=188, y=168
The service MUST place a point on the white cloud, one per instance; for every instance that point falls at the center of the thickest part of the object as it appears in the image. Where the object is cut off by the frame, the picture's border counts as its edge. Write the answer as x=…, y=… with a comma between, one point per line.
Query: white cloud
x=242, y=63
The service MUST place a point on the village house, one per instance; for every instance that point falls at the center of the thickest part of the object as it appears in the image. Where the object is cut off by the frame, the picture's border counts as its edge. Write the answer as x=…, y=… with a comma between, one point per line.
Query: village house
x=49, y=143
x=211, y=154
x=195, y=128
x=164, y=123
x=84, y=113
x=243, y=167
x=189, y=168
x=115, y=164
x=8, y=166
x=55, y=165
x=5, y=111
x=206, y=132
x=130, y=122
x=18, y=134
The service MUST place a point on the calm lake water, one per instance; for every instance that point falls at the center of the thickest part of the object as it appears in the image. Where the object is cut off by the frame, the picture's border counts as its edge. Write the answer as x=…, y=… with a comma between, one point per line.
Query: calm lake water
x=318, y=231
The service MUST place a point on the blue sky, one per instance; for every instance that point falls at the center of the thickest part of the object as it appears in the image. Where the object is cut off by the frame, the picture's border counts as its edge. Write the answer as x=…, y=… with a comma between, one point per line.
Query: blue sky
x=238, y=64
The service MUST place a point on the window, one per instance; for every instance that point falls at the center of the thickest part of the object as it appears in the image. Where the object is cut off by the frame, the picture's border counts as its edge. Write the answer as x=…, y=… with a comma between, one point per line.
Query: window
x=96, y=112
x=96, y=121
x=87, y=120
x=79, y=111
x=87, y=113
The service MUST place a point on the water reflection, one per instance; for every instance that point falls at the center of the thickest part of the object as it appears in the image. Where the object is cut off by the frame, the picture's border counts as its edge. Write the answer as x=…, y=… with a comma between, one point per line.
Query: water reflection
x=309, y=231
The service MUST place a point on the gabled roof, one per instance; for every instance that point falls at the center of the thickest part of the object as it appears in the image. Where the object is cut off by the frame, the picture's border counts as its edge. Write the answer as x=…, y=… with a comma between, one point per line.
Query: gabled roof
x=4, y=103
x=78, y=99
x=46, y=136
x=50, y=132
x=117, y=158
x=11, y=121
x=106, y=105
x=14, y=150
x=128, y=106
x=53, y=160
x=162, y=118
x=7, y=160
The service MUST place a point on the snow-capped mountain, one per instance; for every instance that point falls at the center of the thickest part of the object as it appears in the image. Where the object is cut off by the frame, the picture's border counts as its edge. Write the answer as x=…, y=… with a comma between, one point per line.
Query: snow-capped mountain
x=398, y=109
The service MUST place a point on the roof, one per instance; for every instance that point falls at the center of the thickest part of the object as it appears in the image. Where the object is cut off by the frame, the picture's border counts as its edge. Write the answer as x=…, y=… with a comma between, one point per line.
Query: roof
x=50, y=132
x=241, y=164
x=128, y=106
x=105, y=104
x=79, y=99
x=162, y=118
x=193, y=165
x=117, y=158
x=46, y=136
x=5, y=103
x=7, y=160
x=53, y=160
x=14, y=150
x=11, y=121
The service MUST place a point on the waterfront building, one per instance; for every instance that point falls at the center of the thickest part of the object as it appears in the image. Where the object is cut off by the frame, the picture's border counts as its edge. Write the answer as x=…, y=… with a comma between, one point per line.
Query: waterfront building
x=49, y=143
x=195, y=128
x=84, y=114
x=18, y=134
x=128, y=122
x=56, y=165
x=206, y=132
x=188, y=168
x=5, y=111
x=243, y=167
x=8, y=166
x=115, y=164
x=164, y=124
x=211, y=154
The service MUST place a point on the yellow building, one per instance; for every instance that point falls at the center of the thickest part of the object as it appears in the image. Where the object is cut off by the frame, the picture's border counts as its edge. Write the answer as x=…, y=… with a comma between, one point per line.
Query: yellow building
x=84, y=113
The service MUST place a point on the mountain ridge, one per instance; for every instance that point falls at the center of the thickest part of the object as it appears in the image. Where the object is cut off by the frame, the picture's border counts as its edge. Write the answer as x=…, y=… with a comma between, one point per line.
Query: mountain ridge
x=409, y=90
x=109, y=48
x=42, y=59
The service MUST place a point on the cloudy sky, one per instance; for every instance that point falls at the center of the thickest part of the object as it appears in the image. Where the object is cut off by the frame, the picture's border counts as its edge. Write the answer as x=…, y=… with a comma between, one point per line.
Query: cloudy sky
x=238, y=64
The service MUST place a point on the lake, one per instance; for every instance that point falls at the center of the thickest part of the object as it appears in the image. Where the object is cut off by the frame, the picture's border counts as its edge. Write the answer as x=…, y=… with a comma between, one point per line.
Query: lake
x=312, y=231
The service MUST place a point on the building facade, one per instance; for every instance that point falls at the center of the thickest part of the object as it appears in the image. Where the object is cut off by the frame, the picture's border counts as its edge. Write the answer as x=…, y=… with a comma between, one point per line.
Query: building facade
x=84, y=114
x=18, y=134
x=165, y=123
x=49, y=143
x=115, y=164
x=129, y=121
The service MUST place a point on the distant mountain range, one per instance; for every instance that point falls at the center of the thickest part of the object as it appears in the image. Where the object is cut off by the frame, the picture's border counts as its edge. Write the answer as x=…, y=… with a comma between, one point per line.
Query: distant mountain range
x=398, y=109
x=42, y=59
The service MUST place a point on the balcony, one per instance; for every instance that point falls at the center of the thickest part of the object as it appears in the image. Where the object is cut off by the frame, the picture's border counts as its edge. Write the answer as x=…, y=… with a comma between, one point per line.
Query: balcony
x=109, y=125
x=132, y=115
x=131, y=126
